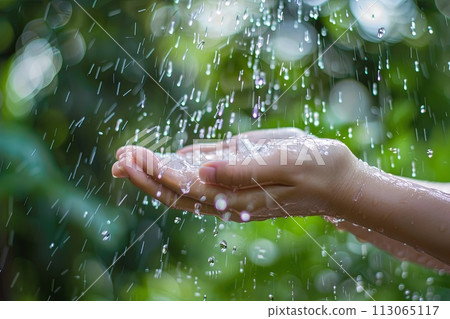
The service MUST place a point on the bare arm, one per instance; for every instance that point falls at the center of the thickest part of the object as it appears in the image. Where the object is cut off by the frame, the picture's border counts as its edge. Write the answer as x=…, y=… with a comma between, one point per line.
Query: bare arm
x=398, y=249
x=400, y=209
x=443, y=187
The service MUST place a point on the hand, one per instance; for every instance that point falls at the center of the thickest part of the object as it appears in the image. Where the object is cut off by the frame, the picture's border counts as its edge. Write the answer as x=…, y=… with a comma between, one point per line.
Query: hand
x=259, y=175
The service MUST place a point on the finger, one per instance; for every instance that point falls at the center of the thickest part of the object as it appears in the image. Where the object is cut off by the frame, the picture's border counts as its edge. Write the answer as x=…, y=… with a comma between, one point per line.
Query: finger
x=187, y=182
x=202, y=147
x=267, y=171
x=118, y=171
x=284, y=132
x=165, y=195
x=123, y=150
x=248, y=201
x=176, y=175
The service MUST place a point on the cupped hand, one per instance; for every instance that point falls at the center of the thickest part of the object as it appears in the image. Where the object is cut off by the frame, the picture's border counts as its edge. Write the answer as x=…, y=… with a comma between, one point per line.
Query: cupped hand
x=253, y=176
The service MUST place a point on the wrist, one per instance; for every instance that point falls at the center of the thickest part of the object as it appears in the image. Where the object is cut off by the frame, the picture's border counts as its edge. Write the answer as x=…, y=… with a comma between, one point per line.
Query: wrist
x=351, y=187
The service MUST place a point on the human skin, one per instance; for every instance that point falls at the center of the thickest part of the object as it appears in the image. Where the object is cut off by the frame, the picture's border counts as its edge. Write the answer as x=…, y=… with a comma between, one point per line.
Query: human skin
x=389, y=211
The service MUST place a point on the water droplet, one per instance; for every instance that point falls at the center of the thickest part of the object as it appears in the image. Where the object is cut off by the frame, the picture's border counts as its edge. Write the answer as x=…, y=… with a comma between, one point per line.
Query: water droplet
x=177, y=220
x=165, y=248
x=51, y=245
x=430, y=153
x=172, y=27
x=186, y=188
x=423, y=109
x=359, y=288
x=430, y=281
x=260, y=80
x=270, y=297
x=413, y=27
x=155, y=203
x=223, y=246
x=117, y=128
x=220, y=202
x=245, y=216
x=201, y=44
x=203, y=198
x=106, y=235
x=211, y=261
x=381, y=32
x=197, y=208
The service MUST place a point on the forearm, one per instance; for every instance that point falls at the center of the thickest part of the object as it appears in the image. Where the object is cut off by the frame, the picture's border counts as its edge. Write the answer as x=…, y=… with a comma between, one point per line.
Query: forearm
x=399, y=209
x=396, y=248
x=443, y=187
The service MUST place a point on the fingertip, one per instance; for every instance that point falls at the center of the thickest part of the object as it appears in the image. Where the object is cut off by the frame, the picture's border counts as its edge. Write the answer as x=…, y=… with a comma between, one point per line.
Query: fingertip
x=122, y=150
x=207, y=174
x=118, y=171
x=211, y=171
x=146, y=160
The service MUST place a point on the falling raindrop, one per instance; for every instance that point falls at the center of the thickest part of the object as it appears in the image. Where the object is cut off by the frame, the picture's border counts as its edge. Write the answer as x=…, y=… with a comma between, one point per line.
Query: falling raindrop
x=423, y=109
x=223, y=246
x=201, y=44
x=106, y=235
x=117, y=128
x=413, y=27
x=197, y=208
